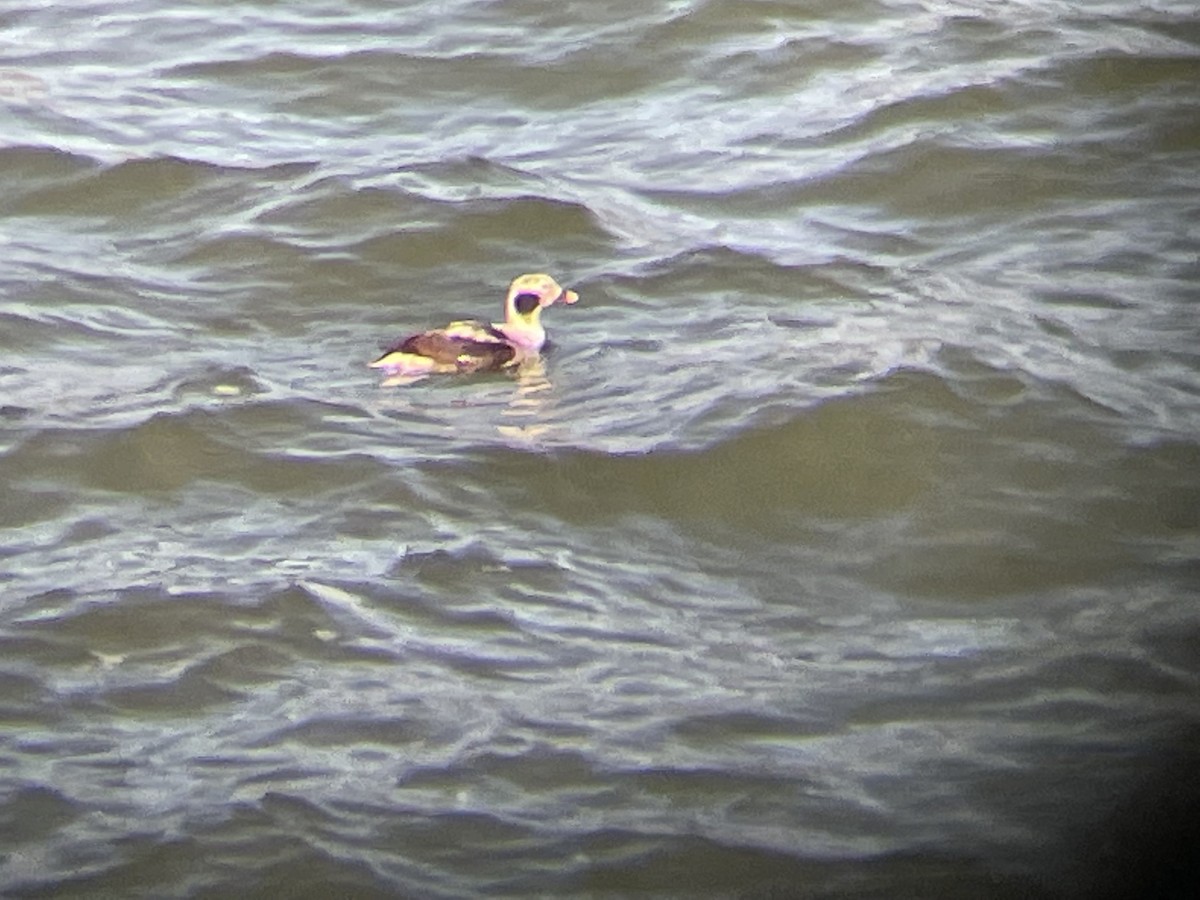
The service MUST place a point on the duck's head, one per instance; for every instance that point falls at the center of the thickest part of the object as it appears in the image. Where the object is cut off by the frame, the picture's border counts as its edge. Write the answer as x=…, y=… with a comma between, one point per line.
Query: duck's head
x=527, y=296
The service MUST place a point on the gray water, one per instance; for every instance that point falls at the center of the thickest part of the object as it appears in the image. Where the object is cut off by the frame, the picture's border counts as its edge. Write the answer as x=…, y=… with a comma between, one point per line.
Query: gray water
x=847, y=542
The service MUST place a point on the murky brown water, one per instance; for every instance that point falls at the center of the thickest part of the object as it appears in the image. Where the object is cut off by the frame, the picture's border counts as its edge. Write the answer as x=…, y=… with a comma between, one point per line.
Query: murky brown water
x=847, y=543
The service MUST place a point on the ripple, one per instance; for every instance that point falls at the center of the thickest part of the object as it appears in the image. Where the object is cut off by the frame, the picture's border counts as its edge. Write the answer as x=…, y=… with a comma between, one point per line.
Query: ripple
x=336, y=731
x=30, y=169
x=34, y=814
x=848, y=460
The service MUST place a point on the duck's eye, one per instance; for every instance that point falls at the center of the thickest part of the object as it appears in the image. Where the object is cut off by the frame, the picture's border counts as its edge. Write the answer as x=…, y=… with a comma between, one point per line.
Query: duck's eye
x=526, y=303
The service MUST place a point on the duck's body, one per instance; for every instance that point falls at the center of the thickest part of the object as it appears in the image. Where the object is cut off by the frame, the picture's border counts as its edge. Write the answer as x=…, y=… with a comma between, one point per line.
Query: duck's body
x=473, y=346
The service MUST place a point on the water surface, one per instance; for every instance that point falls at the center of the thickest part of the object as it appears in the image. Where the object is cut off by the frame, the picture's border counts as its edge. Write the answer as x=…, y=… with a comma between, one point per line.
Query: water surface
x=846, y=542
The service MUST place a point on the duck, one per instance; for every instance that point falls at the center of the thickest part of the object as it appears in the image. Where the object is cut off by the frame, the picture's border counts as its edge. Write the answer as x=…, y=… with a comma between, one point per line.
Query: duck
x=471, y=345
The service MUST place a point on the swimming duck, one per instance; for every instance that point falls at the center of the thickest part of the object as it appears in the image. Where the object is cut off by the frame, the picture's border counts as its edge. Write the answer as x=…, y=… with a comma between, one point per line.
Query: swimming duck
x=473, y=346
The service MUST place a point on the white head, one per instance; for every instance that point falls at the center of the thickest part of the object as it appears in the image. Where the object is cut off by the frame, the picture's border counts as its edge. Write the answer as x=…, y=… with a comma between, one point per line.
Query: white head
x=527, y=296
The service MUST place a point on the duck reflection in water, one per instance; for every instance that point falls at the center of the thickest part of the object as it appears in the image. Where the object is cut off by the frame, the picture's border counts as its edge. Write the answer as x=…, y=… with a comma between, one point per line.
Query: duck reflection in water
x=529, y=401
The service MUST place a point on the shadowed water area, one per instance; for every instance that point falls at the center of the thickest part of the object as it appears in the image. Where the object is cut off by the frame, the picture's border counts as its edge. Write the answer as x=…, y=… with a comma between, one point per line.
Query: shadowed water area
x=846, y=542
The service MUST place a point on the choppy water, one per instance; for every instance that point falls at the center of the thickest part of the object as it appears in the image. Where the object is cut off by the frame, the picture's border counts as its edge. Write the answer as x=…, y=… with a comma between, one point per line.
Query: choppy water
x=847, y=545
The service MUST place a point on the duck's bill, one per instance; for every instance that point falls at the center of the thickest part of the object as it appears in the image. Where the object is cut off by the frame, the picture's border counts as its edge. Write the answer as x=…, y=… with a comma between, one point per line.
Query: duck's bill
x=569, y=297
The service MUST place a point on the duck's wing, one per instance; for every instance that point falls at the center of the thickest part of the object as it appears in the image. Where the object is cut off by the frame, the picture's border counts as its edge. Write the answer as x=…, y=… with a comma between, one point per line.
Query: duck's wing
x=464, y=346
x=474, y=330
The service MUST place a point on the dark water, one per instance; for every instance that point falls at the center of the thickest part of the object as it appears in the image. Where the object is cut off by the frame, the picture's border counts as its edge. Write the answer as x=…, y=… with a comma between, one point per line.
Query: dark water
x=847, y=544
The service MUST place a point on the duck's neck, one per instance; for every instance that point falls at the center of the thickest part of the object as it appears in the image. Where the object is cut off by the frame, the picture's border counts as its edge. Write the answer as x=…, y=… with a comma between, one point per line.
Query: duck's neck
x=526, y=330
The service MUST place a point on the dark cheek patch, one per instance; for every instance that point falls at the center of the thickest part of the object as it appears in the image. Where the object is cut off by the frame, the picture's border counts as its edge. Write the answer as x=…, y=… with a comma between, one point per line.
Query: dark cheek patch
x=526, y=303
